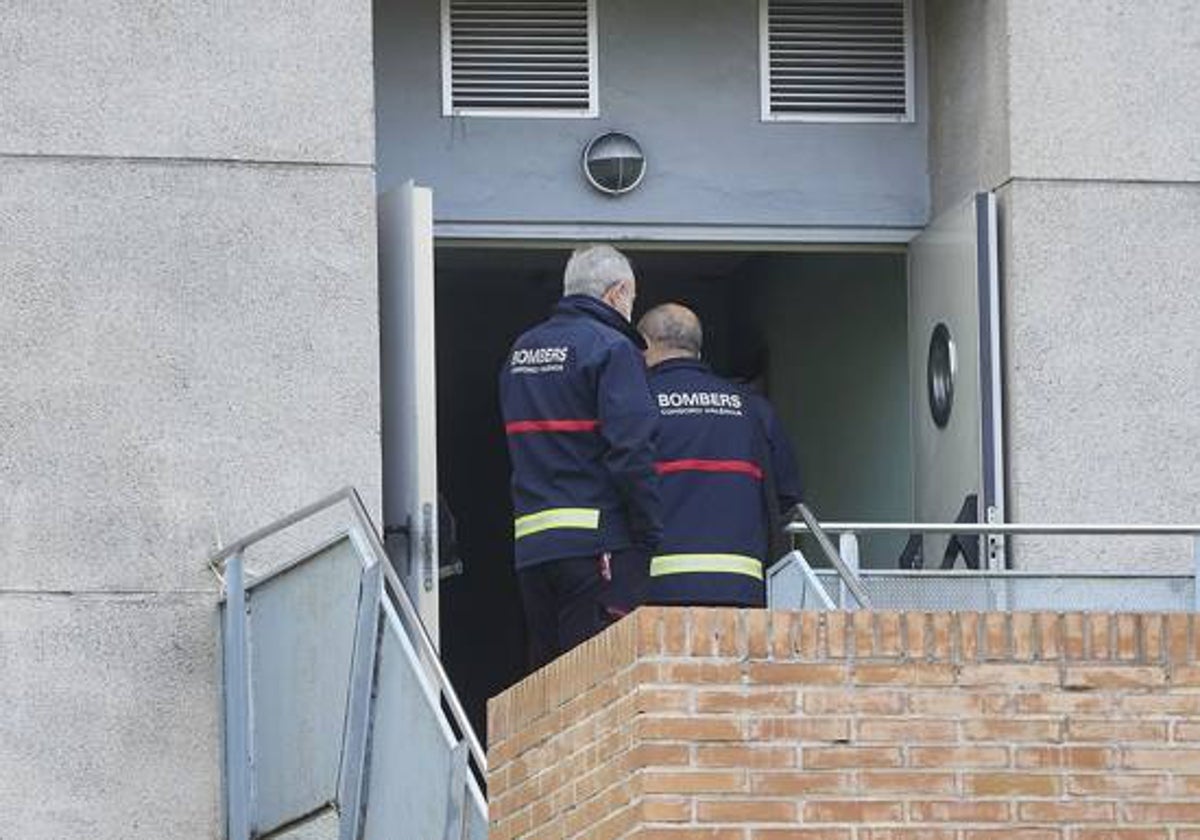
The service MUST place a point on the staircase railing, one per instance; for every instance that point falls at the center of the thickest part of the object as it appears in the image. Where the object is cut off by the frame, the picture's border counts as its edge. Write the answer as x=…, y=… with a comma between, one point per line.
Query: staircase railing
x=335, y=699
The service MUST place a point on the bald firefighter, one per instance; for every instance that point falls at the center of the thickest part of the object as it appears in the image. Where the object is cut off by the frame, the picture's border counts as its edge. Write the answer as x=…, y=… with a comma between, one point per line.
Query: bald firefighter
x=722, y=456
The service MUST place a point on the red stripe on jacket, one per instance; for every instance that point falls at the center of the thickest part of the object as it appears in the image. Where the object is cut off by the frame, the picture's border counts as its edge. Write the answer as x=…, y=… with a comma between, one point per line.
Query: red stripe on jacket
x=522, y=426
x=707, y=465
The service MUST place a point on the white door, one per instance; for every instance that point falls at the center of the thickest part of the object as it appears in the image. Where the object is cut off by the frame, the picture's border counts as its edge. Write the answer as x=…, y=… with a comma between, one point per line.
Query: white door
x=409, y=382
x=954, y=372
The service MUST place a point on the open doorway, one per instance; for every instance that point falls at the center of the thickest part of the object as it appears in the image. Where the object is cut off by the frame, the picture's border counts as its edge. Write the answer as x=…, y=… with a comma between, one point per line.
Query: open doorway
x=826, y=333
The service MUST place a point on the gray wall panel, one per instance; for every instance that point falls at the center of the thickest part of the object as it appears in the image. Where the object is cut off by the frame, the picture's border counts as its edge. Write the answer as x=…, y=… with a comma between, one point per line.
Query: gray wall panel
x=1103, y=364
x=968, y=95
x=257, y=79
x=110, y=728
x=186, y=352
x=1105, y=89
x=683, y=77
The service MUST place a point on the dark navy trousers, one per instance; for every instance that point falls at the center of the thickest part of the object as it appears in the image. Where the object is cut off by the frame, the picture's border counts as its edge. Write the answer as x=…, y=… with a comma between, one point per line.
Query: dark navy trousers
x=570, y=600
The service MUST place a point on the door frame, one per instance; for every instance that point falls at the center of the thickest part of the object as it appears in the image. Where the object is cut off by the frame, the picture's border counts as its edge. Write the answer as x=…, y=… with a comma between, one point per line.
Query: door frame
x=781, y=239
x=682, y=237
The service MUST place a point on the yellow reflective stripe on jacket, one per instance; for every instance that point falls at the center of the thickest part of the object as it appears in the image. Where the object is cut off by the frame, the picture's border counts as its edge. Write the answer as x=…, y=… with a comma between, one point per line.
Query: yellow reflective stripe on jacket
x=733, y=564
x=545, y=520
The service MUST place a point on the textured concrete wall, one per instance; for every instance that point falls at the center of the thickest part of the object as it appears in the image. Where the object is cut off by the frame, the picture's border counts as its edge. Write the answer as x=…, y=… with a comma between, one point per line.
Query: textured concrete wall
x=1105, y=90
x=110, y=726
x=193, y=344
x=1103, y=360
x=253, y=80
x=188, y=349
x=968, y=98
x=1075, y=89
x=1100, y=299
x=682, y=76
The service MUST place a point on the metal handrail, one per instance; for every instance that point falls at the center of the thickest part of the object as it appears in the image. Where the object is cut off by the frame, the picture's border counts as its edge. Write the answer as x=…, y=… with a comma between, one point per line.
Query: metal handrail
x=998, y=528
x=241, y=544
x=803, y=522
x=850, y=530
x=1019, y=574
x=851, y=580
x=411, y=616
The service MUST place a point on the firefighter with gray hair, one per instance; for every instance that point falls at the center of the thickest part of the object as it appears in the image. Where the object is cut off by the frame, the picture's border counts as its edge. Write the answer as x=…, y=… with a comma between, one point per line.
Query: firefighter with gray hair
x=727, y=472
x=580, y=425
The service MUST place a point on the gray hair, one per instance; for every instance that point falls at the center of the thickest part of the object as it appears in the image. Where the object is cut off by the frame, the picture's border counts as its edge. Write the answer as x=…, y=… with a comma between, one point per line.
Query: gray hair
x=593, y=269
x=673, y=326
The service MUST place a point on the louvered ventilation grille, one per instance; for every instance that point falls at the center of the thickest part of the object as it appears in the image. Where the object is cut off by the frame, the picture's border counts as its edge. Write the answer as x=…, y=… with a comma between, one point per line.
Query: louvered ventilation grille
x=837, y=57
x=519, y=56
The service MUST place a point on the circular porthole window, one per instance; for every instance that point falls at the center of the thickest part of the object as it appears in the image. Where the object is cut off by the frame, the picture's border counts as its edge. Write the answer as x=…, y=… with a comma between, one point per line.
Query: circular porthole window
x=940, y=371
x=613, y=163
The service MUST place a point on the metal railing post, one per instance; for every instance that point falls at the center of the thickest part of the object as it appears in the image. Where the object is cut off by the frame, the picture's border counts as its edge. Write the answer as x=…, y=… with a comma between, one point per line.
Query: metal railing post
x=848, y=549
x=237, y=703
x=352, y=766
x=1196, y=573
x=456, y=799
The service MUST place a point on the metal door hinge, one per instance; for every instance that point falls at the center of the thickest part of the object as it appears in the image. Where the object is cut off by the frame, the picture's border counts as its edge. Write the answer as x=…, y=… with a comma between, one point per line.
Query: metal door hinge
x=390, y=533
x=427, y=537
x=995, y=542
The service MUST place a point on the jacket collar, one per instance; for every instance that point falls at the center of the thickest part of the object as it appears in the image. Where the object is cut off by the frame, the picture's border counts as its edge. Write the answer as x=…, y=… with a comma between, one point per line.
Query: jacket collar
x=680, y=364
x=590, y=307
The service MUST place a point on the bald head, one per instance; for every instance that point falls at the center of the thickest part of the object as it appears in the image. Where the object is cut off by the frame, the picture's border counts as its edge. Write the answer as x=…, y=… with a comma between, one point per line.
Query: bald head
x=672, y=331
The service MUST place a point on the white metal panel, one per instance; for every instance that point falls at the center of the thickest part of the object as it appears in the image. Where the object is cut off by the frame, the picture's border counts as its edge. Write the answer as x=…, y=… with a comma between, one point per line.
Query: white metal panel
x=410, y=482
x=411, y=775
x=301, y=640
x=323, y=826
x=953, y=280
x=959, y=589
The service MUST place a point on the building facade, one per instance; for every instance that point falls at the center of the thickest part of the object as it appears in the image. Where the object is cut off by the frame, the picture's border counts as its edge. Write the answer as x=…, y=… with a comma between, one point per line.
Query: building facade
x=190, y=327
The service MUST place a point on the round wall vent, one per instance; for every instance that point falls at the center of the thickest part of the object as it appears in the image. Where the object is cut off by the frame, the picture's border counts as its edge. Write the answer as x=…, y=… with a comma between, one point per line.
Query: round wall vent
x=613, y=163
x=940, y=372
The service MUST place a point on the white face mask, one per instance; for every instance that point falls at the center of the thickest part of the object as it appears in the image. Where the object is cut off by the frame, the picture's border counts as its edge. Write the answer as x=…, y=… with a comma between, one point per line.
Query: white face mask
x=620, y=297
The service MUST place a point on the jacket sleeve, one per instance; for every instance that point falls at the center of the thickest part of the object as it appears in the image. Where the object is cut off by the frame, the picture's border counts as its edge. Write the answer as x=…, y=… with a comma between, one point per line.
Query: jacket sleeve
x=783, y=458
x=628, y=424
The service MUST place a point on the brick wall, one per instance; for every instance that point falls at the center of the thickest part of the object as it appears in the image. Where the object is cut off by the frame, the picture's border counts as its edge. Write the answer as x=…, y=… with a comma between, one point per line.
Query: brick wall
x=749, y=725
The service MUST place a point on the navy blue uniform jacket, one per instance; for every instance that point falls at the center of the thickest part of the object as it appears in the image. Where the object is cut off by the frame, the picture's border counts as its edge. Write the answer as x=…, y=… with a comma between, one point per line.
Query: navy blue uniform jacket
x=716, y=444
x=580, y=426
